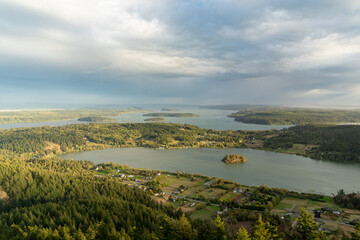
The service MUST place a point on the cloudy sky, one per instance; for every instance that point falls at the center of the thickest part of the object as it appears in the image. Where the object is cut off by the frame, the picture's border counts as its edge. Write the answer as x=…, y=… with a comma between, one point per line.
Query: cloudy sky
x=286, y=52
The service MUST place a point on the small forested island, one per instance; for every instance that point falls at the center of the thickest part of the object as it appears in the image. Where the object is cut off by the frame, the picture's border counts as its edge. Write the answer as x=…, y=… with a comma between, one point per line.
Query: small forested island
x=234, y=158
x=169, y=109
x=95, y=119
x=170, y=115
x=155, y=119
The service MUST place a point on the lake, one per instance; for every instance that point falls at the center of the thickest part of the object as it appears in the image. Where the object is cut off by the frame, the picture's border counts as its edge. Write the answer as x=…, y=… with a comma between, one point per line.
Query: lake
x=209, y=118
x=272, y=169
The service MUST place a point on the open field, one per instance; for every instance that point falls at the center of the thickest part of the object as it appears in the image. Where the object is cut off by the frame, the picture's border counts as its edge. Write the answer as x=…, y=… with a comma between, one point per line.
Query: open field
x=228, y=196
x=292, y=203
x=205, y=213
x=312, y=205
x=350, y=215
x=172, y=183
x=210, y=193
x=193, y=190
x=297, y=204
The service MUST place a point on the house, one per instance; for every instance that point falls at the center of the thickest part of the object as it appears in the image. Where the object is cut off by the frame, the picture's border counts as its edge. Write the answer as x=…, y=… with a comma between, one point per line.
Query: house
x=122, y=175
x=237, y=190
x=130, y=176
x=336, y=212
x=98, y=168
x=221, y=212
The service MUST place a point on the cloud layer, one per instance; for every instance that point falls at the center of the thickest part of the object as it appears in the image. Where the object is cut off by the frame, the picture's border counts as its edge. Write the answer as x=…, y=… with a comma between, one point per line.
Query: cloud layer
x=208, y=52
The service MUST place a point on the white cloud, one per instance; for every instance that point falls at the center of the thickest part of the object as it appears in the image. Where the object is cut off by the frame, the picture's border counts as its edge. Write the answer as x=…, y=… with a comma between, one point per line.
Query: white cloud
x=318, y=92
x=315, y=52
x=305, y=47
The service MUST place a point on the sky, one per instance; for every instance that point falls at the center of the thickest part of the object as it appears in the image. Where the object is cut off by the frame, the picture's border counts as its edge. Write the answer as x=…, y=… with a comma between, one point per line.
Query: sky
x=281, y=52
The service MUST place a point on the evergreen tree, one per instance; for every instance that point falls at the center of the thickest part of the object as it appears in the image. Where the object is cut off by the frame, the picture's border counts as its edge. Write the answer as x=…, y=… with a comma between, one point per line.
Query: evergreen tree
x=242, y=234
x=220, y=231
x=307, y=227
x=184, y=229
x=260, y=232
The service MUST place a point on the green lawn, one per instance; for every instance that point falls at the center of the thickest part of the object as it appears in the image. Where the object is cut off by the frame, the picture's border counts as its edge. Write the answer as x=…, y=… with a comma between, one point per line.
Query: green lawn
x=228, y=196
x=312, y=205
x=193, y=190
x=290, y=202
x=205, y=213
x=283, y=205
x=210, y=193
x=103, y=172
x=174, y=182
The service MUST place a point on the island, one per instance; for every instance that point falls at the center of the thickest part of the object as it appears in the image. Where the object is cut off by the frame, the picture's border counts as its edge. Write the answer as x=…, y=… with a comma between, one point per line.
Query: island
x=96, y=119
x=170, y=115
x=155, y=119
x=234, y=158
x=169, y=109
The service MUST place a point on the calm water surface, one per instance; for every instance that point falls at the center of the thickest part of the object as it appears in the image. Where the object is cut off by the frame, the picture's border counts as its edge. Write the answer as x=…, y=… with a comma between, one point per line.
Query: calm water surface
x=213, y=119
x=273, y=169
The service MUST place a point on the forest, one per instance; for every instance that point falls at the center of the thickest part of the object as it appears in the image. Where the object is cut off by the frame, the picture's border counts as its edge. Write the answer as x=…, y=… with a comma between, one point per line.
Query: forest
x=296, y=116
x=333, y=143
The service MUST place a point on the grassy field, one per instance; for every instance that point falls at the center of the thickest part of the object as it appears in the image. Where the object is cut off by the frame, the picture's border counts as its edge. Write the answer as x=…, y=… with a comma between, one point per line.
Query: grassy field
x=284, y=205
x=210, y=193
x=193, y=190
x=213, y=192
x=292, y=203
x=228, y=196
x=312, y=205
x=205, y=213
x=297, y=204
x=350, y=214
x=173, y=183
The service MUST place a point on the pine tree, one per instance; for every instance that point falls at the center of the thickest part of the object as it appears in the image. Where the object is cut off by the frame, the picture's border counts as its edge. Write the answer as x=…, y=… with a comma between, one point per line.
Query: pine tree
x=307, y=227
x=260, y=232
x=242, y=234
x=220, y=231
x=184, y=229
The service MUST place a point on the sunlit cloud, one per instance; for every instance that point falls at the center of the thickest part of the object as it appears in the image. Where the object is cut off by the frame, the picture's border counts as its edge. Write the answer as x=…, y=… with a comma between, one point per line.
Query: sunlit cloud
x=204, y=51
